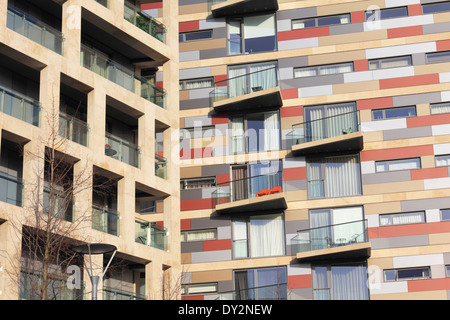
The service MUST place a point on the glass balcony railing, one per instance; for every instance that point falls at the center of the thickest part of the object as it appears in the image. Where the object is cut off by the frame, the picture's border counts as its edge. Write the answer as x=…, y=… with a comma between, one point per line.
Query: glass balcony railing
x=105, y=220
x=271, y=292
x=124, y=77
x=121, y=150
x=332, y=236
x=114, y=294
x=35, y=30
x=62, y=206
x=150, y=234
x=144, y=22
x=244, y=84
x=247, y=188
x=160, y=166
x=20, y=106
x=323, y=128
x=73, y=129
x=11, y=189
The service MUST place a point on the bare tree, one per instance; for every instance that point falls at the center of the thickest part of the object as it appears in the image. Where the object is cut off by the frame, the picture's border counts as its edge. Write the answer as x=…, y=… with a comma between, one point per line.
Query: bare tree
x=50, y=226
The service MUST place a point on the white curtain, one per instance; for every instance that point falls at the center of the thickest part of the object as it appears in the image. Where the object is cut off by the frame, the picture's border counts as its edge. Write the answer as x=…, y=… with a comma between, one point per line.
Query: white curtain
x=200, y=235
x=349, y=283
x=271, y=131
x=196, y=84
x=348, y=225
x=315, y=128
x=442, y=161
x=240, y=239
x=266, y=234
x=320, y=220
x=237, y=135
x=402, y=218
x=237, y=81
x=320, y=283
x=315, y=179
x=263, y=75
x=342, y=177
x=440, y=108
x=337, y=68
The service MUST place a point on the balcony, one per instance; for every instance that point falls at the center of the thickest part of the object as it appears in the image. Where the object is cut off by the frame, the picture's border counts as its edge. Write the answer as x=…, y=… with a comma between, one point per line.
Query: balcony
x=330, y=134
x=258, y=193
x=35, y=30
x=124, y=77
x=144, y=22
x=19, y=106
x=256, y=90
x=105, y=220
x=344, y=240
x=224, y=8
x=150, y=234
x=11, y=189
x=73, y=129
x=121, y=150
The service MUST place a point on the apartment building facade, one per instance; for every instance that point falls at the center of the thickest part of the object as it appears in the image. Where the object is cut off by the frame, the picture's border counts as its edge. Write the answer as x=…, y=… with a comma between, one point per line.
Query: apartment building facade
x=314, y=149
x=78, y=77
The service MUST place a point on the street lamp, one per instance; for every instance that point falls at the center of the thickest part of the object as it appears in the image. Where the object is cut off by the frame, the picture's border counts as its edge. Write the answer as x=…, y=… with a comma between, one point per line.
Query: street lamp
x=95, y=248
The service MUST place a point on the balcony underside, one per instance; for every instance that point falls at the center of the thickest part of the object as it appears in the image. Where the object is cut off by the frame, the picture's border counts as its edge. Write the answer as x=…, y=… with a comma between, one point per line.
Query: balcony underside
x=241, y=7
x=275, y=201
x=343, y=143
x=264, y=99
x=359, y=250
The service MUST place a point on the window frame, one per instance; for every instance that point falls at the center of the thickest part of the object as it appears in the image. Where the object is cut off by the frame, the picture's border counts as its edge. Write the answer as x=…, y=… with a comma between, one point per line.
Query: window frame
x=185, y=81
x=319, y=67
x=428, y=5
x=185, y=181
x=442, y=156
x=380, y=61
x=366, y=16
x=441, y=216
x=393, y=161
x=184, y=234
x=439, y=104
x=391, y=215
x=427, y=268
x=185, y=288
x=182, y=35
x=317, y=20
x=437, y=53
x=384, y=117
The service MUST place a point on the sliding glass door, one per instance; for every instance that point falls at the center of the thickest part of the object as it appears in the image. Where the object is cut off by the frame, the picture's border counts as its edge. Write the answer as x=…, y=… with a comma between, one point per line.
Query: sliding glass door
x=245, y=79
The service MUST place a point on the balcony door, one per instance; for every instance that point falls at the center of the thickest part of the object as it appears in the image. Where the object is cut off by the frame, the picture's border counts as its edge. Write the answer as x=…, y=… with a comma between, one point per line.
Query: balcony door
x=239, y=187
x=330, y=121
x=245, y=79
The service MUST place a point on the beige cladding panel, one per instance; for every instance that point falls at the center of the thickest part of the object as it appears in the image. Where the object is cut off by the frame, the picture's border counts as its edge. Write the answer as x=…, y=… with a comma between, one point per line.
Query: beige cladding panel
x=355, y=37
x=193, y=8
x=212, y=276
x=328, y=8
x=190, y=172
x=203, y=45
x=404, y=186
x=335, y=57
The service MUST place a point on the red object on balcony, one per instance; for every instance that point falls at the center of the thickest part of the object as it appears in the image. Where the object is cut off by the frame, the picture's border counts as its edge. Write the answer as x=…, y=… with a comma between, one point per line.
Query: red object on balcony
x=263, y=192
x=275, y=190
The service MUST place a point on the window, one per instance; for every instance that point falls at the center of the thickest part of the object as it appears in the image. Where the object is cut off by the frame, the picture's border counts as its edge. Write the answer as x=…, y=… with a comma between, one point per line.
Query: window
x=196, y=83
x=195, y=35
x=388, y=13
x=334, y=177
x=436, y=57
x=436, y=7
x=261, y=284
x=198, y=288
x=402, y=218
x=340, y=282
x=442, y=160
x=391, y=113
x=445, y=214
x=198, y=235
x=323, y=70
x=328, y=121
x=258, y=236
x=395, y=165
x=438, y=108
x=197, y=183
x=252, y=34
x=393, y=62
x=321, y=21
x=407, y=274
x=255, y=132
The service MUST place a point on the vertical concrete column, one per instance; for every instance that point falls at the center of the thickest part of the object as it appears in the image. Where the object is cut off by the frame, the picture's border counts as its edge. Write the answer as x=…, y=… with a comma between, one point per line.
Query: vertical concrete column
x=154, y=279
x=83, y=179
x=33, y=174
x=49, y=98
x=126, y=207
x=96, y=119
x=146, y=132
x=117, y=7
x=3, y=17
x=10, y=249
x=71, y=29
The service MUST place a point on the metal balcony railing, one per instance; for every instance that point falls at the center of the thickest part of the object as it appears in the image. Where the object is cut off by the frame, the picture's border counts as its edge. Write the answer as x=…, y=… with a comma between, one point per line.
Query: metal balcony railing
x=105, y=220
x=11, y=189
x=34, y=29
x=270, y=292
x=145, y=22
x=121, y=150
x=19, y=106
x=241, y=189
x=123, y=76
x=337, y=235
x=73, y=129
x=327, y=127
x=244, y=84
x=150, y=234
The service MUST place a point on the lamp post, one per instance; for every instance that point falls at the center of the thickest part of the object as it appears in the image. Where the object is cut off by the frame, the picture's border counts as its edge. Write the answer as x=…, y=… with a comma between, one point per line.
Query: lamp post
x=95, y=248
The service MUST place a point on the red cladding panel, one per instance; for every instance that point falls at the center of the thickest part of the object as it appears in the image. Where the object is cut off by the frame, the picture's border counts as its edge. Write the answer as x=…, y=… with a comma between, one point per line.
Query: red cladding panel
x=189, y=26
